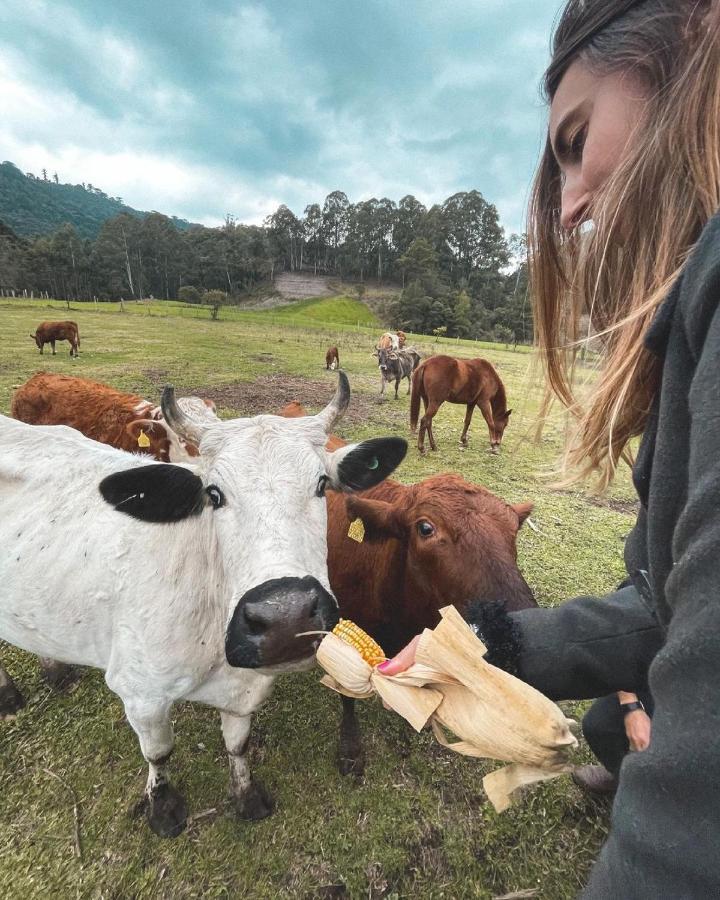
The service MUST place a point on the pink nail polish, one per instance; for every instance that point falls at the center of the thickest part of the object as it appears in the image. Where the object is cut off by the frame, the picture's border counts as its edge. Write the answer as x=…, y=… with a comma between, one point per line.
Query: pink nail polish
x=383, y=666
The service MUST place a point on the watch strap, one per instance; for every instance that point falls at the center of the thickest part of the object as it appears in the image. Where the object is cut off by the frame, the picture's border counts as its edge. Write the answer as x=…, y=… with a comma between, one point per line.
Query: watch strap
x=631, y=707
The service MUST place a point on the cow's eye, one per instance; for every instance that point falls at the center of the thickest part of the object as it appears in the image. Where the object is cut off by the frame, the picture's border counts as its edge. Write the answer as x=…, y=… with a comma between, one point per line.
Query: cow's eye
x=425, y=529
x=217, y=498
x=321, y=485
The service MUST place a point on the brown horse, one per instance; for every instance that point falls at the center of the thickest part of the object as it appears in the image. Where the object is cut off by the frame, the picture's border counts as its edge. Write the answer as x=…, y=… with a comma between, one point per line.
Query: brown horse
x=473, y=382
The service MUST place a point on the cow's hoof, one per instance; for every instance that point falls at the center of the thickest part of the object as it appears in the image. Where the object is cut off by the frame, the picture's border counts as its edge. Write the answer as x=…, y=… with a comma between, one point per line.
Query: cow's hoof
x=352, y=765
x=166, y=811
x=60, y=676
x=11, y=700
x=255, y=803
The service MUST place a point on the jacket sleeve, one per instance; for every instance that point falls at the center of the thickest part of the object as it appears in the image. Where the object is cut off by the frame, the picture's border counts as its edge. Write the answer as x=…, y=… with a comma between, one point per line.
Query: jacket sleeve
x=588, y=647
x=667, y=811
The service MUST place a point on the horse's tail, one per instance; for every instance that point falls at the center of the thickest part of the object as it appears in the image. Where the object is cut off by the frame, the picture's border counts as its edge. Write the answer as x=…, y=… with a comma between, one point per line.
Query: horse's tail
x=417, y=389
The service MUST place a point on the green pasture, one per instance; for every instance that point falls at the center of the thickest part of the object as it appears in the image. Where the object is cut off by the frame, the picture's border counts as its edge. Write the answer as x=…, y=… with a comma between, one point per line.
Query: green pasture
x=417, y=824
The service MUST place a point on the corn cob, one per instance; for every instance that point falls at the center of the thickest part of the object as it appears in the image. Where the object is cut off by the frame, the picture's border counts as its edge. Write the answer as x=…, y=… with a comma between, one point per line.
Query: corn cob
x=353, y=635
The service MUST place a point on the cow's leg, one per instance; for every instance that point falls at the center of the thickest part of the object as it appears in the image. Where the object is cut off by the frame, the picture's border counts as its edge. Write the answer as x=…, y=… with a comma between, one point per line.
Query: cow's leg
x=409, y=378
x=249, y=797
x=486, y=410
x=397, y=385
x=351, y=759
x=382, y=385
x=57, y=674
x=468, y=419
x=11, y=700
x=52, y=344
x=164, y=806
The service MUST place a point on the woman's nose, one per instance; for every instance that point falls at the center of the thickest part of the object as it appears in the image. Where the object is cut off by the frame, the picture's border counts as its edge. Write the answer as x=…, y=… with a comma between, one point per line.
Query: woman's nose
x=575, y=204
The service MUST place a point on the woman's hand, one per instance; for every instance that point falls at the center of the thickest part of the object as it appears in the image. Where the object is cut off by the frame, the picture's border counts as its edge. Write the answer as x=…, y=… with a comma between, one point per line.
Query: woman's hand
x=404, y=659
x=638, y=726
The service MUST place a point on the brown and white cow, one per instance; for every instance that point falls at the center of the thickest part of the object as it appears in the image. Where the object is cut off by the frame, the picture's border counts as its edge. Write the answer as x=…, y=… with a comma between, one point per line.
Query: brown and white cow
x=49, y=332
x=332, y=358
x=443, y=540
x=100, y=412
x=391, y=340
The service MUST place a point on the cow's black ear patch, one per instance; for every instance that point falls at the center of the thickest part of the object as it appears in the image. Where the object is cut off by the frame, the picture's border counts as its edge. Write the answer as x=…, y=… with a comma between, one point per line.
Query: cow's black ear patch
x=159, y=493
x=370, y=463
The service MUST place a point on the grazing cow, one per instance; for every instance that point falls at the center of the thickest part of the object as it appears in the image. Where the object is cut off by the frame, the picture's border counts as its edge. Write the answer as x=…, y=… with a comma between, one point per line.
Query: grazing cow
x=426, y=545
x=473, y=382
x=332, y=358
x=395, y=365
x=182, y=583
x=100, y=412
x=49, y=332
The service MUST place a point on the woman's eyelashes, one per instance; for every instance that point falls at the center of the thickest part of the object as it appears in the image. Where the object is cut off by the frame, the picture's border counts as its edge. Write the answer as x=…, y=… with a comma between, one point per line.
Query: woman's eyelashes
x=576, y=144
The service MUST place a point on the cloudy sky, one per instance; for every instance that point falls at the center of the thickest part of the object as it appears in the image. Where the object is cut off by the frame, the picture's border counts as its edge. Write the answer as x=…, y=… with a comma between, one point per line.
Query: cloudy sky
x=198, y=108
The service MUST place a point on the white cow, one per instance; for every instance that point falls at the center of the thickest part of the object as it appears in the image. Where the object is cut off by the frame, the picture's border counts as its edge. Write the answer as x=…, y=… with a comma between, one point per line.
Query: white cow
x=180, y=582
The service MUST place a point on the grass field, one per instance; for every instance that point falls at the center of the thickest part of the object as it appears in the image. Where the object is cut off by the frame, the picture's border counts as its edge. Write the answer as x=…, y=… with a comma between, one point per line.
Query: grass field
x=417, y=824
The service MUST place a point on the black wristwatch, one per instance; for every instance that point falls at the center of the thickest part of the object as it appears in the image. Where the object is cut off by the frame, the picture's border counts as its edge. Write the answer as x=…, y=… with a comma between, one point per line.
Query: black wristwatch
x=631, y=707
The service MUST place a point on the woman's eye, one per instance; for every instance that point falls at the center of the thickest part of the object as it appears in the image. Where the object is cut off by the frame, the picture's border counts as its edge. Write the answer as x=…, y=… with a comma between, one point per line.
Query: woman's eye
x=217, y=498
x=321, y=485
x=577, y=144
x=425, y=529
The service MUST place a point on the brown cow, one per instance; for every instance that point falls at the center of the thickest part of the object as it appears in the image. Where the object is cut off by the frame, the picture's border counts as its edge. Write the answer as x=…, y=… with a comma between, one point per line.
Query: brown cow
x=332, y=358
x=426, y=545
x=100, y=412
x=49, y=332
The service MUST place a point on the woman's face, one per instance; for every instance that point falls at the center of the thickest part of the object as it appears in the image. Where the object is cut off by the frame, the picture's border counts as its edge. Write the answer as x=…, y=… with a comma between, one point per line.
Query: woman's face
x=592, y=121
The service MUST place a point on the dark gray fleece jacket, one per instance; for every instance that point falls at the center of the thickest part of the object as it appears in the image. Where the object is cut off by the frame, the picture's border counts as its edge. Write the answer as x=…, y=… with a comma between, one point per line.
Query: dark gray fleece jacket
x=665, y=836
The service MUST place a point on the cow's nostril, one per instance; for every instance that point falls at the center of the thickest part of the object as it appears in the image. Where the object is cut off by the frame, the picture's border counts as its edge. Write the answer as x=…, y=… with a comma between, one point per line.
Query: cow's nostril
x=255, y=623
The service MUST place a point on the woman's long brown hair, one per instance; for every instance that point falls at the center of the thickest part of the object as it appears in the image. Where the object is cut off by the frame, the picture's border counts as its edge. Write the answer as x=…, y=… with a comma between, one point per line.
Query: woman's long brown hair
x=646, y=218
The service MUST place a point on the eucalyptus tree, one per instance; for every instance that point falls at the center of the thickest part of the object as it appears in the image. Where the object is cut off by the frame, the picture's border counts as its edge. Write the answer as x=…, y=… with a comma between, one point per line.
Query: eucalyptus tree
x=336, y=214
x=410, y=222
x=312, y=224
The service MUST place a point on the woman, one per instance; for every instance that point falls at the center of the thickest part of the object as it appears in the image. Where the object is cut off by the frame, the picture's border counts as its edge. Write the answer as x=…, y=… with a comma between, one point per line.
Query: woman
x=634, y=147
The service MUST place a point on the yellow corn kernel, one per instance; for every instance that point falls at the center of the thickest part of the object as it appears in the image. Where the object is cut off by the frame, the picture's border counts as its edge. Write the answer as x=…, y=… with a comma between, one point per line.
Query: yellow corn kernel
x=353, y=635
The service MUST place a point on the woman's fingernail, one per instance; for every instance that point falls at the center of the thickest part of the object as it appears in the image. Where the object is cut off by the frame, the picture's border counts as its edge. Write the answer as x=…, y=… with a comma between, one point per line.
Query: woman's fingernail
x=383, y=666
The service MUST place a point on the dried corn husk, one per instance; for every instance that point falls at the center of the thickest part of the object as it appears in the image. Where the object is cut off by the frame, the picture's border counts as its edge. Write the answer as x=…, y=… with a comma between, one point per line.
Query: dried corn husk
x=494, y=714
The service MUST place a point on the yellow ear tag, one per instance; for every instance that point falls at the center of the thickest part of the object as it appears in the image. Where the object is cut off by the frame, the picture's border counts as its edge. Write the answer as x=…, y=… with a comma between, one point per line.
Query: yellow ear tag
x=356, y=531
x=143, y=439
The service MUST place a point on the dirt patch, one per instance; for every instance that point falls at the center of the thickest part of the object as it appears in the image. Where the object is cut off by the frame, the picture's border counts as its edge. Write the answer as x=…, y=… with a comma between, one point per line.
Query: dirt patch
x=426, y=855
x=159, y=377
x=629, y=507
x=271, y=393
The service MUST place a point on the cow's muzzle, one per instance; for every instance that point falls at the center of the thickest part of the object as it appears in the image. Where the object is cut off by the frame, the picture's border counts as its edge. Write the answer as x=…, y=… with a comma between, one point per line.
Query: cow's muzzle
x=263, y=628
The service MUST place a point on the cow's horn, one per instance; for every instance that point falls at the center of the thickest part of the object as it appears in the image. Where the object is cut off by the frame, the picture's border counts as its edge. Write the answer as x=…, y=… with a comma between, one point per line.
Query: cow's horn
x=335, y=409
x=181, y=424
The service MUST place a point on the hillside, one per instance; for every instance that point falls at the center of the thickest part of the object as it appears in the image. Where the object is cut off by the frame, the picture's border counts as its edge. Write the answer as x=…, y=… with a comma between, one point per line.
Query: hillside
x=31, y=205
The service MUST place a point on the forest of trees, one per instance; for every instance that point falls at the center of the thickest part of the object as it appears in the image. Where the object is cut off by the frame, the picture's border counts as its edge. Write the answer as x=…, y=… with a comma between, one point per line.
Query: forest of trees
x=453, y=269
